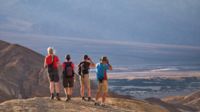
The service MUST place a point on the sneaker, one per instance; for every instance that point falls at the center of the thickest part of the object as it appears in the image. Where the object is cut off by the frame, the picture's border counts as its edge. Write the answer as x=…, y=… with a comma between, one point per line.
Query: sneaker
x=103, y=104
x=83, y=98
x=67, y=99
x=89, y=99
x=58, y=98
x=97, y=104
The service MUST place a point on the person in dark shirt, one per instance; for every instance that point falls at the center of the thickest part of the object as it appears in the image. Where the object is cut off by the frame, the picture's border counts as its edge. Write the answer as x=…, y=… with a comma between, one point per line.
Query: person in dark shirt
x=84, y=68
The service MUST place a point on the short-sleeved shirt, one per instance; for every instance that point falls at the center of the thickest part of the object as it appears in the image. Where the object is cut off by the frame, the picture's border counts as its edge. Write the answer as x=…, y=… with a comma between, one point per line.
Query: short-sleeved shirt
x=101, y=70
x=86, y=67
x=49, y=59
x=64, y=65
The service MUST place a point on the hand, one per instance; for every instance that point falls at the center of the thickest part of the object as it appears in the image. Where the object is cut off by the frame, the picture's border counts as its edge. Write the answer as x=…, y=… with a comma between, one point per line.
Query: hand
x=90, y=60
x=108, y=62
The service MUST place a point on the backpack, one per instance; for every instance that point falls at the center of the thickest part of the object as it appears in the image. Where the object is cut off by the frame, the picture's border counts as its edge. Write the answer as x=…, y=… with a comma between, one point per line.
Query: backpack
x=68, y=71
x=83, y=68
x=50, y=66
x=100, y=72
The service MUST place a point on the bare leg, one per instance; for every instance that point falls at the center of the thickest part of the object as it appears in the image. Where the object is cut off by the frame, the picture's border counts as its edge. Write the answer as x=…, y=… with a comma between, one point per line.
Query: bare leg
x=104, y=97
x=65, y=89
x=82, y=89
x=51, y=87
x=71, y=91
x=87, y=82
x=98, y=96
x=89, y=89
x=57, y=87
x=68, y=91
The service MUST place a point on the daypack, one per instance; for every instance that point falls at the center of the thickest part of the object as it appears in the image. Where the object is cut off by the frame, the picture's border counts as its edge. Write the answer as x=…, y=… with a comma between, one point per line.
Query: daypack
x=100, y=70
x=83, y=68
x=50, y=66
x=68, y=70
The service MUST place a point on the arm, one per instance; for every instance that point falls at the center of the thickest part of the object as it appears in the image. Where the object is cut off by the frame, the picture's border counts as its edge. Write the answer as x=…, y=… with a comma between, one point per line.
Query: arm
x=79, y=64
x=45, y=65
x=73, y=67
x=92, y=64
x=110, y=67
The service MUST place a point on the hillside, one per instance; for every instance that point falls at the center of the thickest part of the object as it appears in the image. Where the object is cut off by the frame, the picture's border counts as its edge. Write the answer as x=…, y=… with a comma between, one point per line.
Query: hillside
x=191, y=100
x=188, y=103
x=21, y=74
x=41, y=104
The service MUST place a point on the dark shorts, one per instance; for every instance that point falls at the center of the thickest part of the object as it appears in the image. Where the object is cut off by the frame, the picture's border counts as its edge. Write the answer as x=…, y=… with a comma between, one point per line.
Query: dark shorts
x=68, y=82
x=53, y=76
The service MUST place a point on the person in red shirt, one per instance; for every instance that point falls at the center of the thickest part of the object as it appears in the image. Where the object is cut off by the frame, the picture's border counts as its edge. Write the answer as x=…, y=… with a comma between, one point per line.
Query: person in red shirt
x=68, y=77
x=51, y=63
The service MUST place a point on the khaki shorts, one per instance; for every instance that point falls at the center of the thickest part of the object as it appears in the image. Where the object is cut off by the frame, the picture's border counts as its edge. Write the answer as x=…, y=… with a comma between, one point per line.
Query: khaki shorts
x=103, y=87
x=85, y=81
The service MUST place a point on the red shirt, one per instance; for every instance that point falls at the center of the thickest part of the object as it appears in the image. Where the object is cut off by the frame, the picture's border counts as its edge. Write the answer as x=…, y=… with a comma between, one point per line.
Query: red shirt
x=49, y=59
x=65, y=65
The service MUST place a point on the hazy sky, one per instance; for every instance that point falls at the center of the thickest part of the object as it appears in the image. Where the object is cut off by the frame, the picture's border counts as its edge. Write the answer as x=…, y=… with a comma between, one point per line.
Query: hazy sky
x=151, y=21
x=139, y=30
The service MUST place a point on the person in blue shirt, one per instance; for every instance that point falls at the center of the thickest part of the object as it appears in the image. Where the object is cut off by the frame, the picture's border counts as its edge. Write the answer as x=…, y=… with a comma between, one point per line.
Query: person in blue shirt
x=101, y=73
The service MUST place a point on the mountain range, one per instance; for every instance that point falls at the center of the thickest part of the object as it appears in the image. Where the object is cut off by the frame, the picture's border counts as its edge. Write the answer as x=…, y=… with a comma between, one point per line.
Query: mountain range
x=21, y=74
x=23, y=79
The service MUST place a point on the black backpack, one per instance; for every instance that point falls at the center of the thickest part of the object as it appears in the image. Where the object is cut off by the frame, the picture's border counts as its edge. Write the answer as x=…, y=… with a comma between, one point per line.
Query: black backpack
x=50, y=66
x=83, y=68
x=68, y=71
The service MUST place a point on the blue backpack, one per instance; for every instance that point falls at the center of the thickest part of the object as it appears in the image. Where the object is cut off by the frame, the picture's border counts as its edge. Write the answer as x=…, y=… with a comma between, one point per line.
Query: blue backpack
x=100, y=70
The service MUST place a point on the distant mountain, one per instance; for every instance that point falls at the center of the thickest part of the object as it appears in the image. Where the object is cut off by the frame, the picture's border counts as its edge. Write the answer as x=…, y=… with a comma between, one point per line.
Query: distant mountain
x=192, y=100
x=21, y=74
x=45, y=105
x=188, y=103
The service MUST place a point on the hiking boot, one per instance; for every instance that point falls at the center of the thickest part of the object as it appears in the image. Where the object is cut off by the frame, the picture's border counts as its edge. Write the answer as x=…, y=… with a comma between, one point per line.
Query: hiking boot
x=58, y=97
x=97, y=104
x=89, y=99
x=52, y=96
x=103, y=104
x=83, y=98
x=67, y=99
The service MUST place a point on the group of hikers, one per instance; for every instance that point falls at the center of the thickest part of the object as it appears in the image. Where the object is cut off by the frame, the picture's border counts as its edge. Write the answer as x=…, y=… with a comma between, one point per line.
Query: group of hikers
x=68, y=75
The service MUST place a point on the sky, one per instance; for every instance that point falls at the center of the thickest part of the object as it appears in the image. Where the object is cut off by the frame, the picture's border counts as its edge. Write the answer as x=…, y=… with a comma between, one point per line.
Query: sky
x=160, y=28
